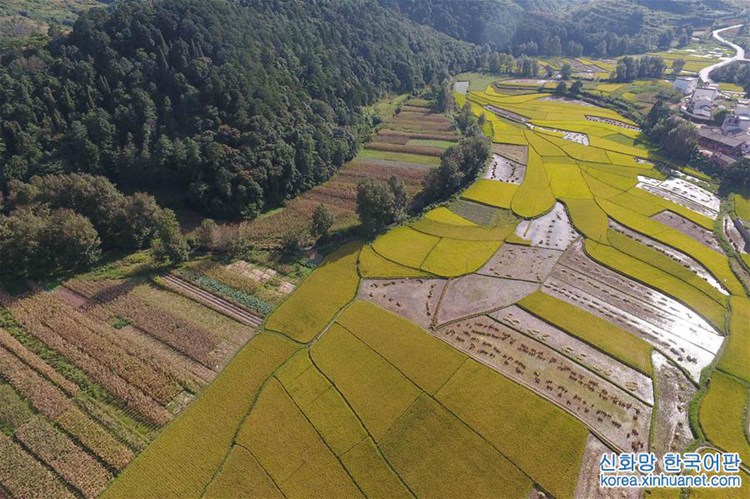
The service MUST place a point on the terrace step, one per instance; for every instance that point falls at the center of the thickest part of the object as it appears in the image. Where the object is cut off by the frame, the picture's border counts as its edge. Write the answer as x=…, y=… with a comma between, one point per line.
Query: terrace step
x=221, y=305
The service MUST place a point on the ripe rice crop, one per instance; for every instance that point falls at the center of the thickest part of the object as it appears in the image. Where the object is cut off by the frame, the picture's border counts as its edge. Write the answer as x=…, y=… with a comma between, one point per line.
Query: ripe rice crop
x=22, y=476
x=424, y=359
x=373, y=475
x=545, y=441
x=405, y=246
x=242, y=476
x=438, y=455
x=373, y=265
x=297, y=459
x=734, y=358
x=187, y=454
x=722, y=414
x=331, y=286
x=376, y=391
x=491, y=192
x=57, y=451
x=455, y=257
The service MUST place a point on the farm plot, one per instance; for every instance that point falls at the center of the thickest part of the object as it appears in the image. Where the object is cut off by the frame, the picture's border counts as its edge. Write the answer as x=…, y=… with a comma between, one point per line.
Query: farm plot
x=610, y=411
x=415, y=299
x=581, y=352
x=732, y=234
x=588, y=479
x=684, y=193
x=722, y=414
x=552, y=230
x=689, y=228
x=685, y=337
x=505, y=170
x=521, y=262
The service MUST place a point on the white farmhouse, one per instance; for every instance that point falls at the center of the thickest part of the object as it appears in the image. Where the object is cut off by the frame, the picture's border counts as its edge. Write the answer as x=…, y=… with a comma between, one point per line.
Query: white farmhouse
x=702, y=100
x=685, y=84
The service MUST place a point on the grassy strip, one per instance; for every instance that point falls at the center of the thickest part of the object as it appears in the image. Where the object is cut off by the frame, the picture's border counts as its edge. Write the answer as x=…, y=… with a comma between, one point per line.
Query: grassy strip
x=183, y=459
x=331, y=286
x=587, y=327
x=545, y=441
x=734, y=358
x=398, y=157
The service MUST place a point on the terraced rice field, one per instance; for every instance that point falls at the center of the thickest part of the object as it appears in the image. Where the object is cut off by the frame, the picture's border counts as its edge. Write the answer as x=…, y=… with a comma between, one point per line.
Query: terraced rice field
x=500, y=342
x=407, y=146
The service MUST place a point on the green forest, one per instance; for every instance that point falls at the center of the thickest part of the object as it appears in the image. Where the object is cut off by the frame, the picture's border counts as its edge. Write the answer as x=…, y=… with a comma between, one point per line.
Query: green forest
x=238, y=106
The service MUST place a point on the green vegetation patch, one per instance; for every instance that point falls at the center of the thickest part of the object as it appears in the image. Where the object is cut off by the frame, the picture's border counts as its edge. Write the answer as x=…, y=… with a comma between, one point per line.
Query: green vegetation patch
x=187, y=454
x=315, y=302
x=587, y=327
x=14, y=411
x=398, y=157
x=742, y=206
x=544, y=440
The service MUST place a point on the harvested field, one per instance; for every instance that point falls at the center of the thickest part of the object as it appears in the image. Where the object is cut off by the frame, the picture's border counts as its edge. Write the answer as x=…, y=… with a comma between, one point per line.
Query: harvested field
x=683, y=193
x=689, y=228
x=672, y=432
x=610, y=411
x=667, y=324
x=521, y=262
x=517, y=154
x=474, y=294
x=478, y=213
x=581, y=352
x=552, y=230
x=677, y=256
x=416, y=299
x=505, y=170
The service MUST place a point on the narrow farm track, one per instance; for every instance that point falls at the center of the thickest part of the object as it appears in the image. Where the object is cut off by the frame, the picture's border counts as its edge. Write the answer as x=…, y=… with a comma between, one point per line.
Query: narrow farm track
x=224, y=307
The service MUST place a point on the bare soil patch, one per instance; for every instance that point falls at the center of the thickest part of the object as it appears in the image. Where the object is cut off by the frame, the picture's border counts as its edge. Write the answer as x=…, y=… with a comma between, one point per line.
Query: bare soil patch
x=733, y=236
x=683, y=193
x=595, y=360
x=414, y=299
x=552, y=230
x=672, y=431
x=505, y=170
x=521, y=262
x=474, y=294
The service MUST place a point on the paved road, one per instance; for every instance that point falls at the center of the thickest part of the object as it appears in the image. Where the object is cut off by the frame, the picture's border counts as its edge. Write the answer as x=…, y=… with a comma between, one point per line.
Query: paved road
x=705, y=72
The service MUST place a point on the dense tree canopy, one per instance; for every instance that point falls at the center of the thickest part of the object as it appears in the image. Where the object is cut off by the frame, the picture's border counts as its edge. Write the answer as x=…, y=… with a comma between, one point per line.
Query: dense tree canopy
x=239, y=105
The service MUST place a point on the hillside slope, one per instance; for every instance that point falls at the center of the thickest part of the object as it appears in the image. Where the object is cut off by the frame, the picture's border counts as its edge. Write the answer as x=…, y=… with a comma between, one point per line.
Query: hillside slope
x=241, y=104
